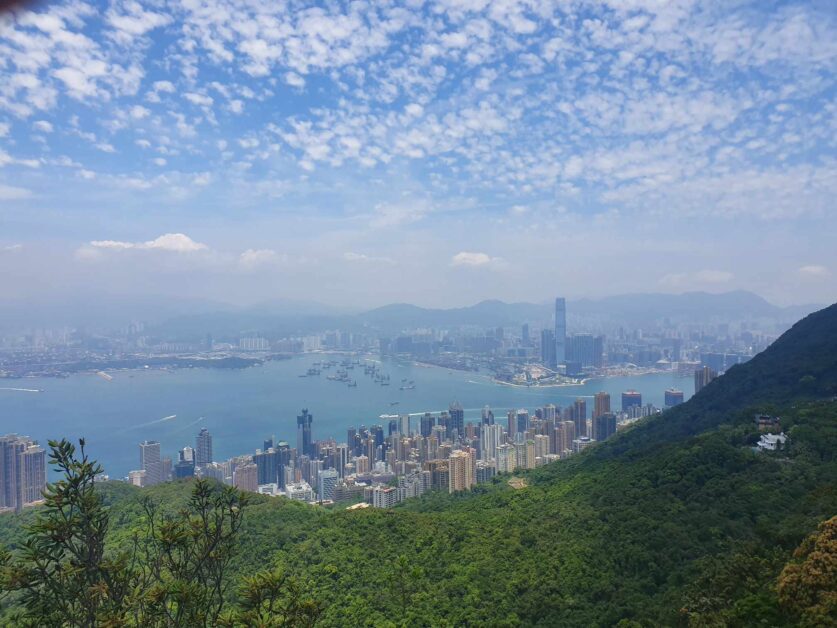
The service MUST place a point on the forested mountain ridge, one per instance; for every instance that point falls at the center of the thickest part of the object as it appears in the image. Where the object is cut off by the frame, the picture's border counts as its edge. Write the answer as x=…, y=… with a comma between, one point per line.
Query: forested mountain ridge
x=677, y=521
x=799, y=365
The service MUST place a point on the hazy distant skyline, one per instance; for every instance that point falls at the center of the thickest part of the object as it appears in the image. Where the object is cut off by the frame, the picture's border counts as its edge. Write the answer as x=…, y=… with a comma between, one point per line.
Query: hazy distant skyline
x=436, y=153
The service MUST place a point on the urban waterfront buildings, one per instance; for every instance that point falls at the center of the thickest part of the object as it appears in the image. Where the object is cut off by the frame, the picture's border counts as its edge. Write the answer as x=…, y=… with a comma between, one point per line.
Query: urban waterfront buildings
x=601, y=404
x=604, y=426
x=151, y=462
x=326, y=483
x=461, y=468
x=303, y=432
x=548, y=348
x=386, y=466
x=203, y=448
x=246, y=477
x=631, y=398
x=22, y=472
x=560, y=330
x=673, y=397
x=703, y=376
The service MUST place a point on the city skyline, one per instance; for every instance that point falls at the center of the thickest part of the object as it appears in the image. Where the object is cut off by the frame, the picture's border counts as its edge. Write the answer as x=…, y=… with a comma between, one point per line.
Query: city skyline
x=442, y=453
x=433, y=152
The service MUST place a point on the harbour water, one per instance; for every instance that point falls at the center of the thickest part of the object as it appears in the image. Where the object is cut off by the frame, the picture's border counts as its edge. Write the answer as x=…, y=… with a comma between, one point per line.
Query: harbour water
x=243, y=407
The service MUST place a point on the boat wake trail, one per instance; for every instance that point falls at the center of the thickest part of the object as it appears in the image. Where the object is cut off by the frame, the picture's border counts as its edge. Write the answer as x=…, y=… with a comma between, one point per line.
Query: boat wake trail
x=29, y=390
x=188, y=425
x=171, y=417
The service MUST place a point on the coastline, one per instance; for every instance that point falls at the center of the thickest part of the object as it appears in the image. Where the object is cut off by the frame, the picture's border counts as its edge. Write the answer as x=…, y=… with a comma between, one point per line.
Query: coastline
x=580, y=382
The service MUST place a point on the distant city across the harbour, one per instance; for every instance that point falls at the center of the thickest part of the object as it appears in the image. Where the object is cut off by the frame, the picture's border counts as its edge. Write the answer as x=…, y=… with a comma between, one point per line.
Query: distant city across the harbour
x=243, y=407
x=406, y=405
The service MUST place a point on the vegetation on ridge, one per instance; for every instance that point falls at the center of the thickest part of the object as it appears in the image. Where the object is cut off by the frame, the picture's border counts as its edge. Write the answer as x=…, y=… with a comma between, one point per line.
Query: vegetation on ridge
x=172, y=572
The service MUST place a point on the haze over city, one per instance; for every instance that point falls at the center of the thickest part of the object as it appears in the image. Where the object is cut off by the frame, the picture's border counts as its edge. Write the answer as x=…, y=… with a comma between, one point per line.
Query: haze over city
x=435, y=153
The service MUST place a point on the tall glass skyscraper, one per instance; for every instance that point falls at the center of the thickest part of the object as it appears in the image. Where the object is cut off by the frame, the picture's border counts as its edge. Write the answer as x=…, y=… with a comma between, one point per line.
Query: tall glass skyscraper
x=304, y=443
x=457, y=419
x=560, y=330
x=203, y=448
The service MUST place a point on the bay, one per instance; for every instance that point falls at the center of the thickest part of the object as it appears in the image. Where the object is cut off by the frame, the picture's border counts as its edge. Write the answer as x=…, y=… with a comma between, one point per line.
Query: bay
x=243, y=407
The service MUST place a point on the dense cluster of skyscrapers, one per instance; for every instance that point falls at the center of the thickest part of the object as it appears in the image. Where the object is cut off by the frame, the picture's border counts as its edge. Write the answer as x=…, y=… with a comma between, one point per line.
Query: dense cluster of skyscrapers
x=406, y=456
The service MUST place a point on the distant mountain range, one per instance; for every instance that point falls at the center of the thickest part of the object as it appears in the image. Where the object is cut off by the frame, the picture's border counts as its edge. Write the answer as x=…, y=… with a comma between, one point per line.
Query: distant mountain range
x=631, y=309
x=193, y=318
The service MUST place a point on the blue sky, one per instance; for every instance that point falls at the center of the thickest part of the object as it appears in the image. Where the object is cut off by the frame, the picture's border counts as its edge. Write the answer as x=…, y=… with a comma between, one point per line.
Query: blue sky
x=433, y=152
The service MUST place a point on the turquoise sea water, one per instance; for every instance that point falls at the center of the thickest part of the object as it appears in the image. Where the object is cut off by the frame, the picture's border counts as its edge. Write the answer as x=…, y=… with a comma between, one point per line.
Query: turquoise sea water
x=243, y=407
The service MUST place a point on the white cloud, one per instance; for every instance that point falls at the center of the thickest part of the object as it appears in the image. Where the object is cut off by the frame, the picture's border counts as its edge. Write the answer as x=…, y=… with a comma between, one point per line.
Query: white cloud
x=11, y=248
x=113, y=244
x=351, y=256
x=201, y=179
x=166, y=87
x=253, y=258
x=138, y=112
x=476, y=260
x=43, y=126
x=174, y=242
x=814, y=271
x=201, y=100
x=136, y=22
x=396, y=214
x=294, y=80
x=13, y=193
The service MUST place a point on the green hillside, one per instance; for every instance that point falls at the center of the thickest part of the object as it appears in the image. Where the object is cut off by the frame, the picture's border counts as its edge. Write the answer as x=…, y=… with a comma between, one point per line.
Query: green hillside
x=677, y=521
